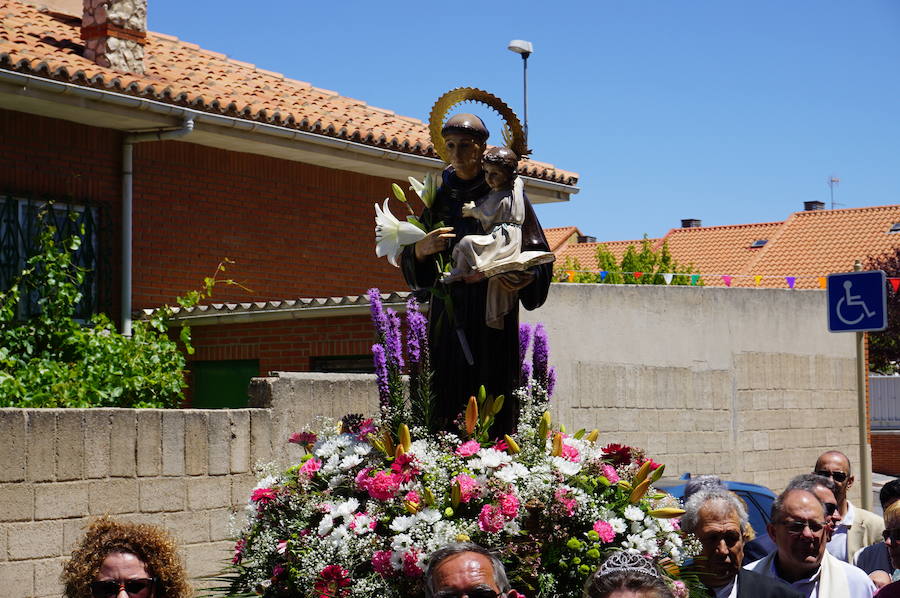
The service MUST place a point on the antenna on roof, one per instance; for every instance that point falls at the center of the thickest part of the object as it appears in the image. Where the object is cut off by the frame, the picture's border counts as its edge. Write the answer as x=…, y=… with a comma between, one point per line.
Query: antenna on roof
x=833, y=181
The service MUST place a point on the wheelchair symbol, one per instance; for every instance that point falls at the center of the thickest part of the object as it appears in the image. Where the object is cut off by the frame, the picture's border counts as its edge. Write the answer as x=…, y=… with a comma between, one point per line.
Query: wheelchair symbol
x=850, y=301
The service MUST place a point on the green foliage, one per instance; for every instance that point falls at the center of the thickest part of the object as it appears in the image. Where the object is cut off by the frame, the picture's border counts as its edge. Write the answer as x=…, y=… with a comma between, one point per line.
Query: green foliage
x=650, y=263
x=53, y=360
x=884, y=346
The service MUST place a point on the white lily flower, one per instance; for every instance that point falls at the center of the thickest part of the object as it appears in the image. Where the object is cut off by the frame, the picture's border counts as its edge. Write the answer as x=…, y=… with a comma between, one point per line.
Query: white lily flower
x=391, y=235
x=426, y=189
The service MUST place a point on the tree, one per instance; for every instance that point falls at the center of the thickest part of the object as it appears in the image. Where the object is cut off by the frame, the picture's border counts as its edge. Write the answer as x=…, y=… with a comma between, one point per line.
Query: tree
x=637, y=266
x=884, y=347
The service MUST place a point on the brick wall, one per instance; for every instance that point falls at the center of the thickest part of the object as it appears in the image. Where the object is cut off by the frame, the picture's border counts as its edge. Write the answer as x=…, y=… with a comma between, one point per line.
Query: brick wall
x=284, y=345
x=294, y=230
x=886, y=451
x=187, y=470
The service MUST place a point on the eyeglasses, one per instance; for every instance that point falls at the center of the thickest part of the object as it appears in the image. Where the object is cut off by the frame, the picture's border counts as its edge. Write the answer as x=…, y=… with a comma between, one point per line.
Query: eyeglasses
x=837, y=476
x=891, y=535
x=136, y=588
x=830, y=508
x=473, y=593
x=796, y=527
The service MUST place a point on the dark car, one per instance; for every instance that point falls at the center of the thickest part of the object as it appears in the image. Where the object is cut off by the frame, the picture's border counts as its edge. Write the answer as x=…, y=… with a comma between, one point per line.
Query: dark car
x=758, y=498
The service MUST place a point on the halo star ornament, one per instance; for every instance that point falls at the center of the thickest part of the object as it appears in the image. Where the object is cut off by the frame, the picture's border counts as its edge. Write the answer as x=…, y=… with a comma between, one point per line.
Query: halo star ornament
x=514, y=135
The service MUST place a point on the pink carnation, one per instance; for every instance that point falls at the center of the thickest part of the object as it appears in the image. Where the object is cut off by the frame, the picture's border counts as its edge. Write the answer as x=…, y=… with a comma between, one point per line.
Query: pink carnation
x=609, y=472
x=570, y=453
x=263, y=496
x=362, y=478
x=310, y=468
x=277, y=571
x=467, y=449
x=381, y=562
x=509, y=505
x=491, y=519
x=281, y=547
x=413, y=497
x=568, y=503
x=411, y=564
x=383, y=485
x=468, y=487
x=604, y=530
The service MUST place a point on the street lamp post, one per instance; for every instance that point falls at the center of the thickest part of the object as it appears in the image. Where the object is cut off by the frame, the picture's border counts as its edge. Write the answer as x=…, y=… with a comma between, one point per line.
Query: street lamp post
x=524, y=48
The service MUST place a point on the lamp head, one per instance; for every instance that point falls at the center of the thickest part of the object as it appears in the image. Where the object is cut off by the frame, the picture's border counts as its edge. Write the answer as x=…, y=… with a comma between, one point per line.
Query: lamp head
x=520, y=46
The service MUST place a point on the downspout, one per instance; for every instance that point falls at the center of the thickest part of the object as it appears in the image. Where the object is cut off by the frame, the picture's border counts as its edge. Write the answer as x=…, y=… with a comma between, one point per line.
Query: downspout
x=127, y=200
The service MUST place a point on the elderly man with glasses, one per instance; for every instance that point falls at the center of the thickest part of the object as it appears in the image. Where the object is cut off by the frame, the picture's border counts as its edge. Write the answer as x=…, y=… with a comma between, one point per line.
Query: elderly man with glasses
x=858, y=528
x=800, y=531
x=467, y=570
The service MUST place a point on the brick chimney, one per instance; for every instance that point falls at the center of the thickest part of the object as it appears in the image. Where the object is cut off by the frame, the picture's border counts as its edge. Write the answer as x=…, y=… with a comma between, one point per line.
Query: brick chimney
x=813, y=206
x=691, y=223
x=114, y=33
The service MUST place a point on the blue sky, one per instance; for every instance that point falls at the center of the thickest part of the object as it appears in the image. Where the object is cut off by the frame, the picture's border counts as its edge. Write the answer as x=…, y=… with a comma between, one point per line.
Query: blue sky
x=727, y=111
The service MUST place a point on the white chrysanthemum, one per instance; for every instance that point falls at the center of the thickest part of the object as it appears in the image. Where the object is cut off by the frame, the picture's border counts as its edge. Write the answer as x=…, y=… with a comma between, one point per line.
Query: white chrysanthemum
x=429, y=516
x=326, y=525
x=489, y=458
x=512, y=472
x=618, y=524
x=350, y=461
x=634, y=513
x=266, y=482
x=403, y=523
x=401, y=542
x=565, y=466
x=362, y=448
x=665, y=525
x=346, y=508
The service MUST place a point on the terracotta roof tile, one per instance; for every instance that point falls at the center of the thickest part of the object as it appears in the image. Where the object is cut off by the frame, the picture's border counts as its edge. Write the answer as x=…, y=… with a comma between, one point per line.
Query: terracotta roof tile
x=49, y=45
x=806, y=246
x=557, y=236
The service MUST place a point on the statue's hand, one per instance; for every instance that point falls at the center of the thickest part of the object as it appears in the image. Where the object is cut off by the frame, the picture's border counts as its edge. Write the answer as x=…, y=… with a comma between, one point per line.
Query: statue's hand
x=467, y=209
x=434, y=242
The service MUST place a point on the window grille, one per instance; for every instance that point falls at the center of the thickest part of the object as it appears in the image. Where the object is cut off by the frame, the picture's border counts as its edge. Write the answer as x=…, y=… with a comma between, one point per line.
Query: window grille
x=20, y=221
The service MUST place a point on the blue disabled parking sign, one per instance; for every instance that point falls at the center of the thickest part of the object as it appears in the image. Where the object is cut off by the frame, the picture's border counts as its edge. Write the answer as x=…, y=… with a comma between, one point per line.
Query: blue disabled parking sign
x=857, y=301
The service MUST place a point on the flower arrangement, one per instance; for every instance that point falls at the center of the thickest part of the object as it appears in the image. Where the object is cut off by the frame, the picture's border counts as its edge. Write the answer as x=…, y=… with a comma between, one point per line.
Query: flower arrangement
x=371, y=498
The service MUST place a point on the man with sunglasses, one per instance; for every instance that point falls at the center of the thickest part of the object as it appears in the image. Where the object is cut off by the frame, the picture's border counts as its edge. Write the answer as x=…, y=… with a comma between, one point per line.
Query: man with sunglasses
x=800, y=532
x=466, y=570
x=857, y=528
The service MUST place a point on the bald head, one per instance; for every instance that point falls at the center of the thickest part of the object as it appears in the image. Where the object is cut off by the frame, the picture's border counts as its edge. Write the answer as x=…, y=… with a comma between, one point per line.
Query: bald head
x=836, y=465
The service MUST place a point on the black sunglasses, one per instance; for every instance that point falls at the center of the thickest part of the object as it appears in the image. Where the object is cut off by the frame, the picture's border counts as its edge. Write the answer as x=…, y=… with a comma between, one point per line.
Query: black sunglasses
x=830, y=508
x=891, y=535
x=796, y=527
x=473, y=593
x=837, y=476
x=133, y=587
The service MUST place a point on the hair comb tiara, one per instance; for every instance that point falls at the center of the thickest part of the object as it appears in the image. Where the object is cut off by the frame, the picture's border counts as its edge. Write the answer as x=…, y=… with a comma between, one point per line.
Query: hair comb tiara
x=625, y=561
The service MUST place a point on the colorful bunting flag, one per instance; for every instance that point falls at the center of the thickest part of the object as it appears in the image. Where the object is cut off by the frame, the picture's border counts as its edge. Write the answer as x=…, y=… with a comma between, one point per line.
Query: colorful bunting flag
x=694, y=279
x=637, y=275
x=895, y=283
x=823, y=282
x=727, y=280
x=571, y=275
x=756, y=279
x=603, y=274
x=668, y=277
x=790, y=281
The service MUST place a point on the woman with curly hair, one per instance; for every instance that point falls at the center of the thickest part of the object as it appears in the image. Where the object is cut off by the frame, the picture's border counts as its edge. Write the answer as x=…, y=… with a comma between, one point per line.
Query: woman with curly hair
x=125, y=560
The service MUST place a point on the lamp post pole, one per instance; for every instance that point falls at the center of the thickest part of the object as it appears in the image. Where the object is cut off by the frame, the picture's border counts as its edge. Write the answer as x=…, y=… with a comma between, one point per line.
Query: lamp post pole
x=523, y=48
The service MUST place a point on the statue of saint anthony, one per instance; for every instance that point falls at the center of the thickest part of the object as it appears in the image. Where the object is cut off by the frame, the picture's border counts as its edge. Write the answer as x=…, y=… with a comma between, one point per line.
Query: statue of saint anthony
x=465, y=352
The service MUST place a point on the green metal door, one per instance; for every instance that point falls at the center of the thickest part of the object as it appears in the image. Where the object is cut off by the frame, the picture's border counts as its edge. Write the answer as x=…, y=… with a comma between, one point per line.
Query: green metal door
x=222, y=384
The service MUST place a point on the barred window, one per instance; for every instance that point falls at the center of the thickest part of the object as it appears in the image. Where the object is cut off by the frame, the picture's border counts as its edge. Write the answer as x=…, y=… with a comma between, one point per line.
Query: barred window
x=20, y=221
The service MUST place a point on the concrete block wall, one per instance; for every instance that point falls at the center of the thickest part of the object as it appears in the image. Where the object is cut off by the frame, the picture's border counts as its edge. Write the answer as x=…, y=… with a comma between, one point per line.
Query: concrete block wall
x=188, y=470
x=744, y=383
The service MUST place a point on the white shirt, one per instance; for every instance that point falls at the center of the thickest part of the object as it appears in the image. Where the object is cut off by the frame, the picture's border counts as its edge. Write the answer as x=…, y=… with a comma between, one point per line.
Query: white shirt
x=728, y=591
x=837, y=546
x=858, y=582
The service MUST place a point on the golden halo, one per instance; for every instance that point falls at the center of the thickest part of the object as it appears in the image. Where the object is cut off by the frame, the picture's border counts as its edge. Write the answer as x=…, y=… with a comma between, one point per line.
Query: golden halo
x=446, y=102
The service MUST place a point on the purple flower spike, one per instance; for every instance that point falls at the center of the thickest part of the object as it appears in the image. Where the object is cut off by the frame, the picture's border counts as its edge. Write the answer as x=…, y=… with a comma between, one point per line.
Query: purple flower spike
x=524, y=341
x=540, y=355
x=525, y=373
x=551, y=381
x=378, y=316
x=381, y=374
x=417, y=331
x=392, y=341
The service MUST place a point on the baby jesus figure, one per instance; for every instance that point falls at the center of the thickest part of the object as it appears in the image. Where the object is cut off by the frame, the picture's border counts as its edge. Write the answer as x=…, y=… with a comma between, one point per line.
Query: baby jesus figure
x=499, y=251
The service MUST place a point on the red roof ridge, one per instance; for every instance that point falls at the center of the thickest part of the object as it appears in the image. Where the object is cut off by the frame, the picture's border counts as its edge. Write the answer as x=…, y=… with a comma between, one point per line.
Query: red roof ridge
x=559, y=227
x=840, y=210
x=167, y=37
x=722, y=227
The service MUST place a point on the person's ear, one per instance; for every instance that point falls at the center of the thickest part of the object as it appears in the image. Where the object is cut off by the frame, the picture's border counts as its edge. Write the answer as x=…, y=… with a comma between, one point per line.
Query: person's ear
x=770, y=529
x=849, y=481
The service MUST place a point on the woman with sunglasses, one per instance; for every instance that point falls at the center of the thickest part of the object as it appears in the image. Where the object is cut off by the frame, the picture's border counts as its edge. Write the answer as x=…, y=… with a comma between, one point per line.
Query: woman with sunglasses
x=125, y=560
x=891, y=537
